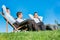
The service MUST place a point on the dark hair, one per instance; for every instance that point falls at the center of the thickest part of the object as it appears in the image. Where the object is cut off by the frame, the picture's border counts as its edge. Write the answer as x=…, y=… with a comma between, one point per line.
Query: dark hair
x=35, y=13
x=7, y=8
x=18, y=13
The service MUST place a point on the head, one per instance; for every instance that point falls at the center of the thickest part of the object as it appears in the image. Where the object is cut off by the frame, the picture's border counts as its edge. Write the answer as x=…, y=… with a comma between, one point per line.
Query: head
x=35, y=15
x=7, y=10
x=19, y=14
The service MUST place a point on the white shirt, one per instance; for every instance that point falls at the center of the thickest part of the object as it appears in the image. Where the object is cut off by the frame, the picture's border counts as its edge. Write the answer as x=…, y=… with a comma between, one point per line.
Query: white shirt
x=19, y=20
x=8, y=16
x=36, y=19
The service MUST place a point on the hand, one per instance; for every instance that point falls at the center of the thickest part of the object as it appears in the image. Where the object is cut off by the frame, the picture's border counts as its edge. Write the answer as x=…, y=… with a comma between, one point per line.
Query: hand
x=3, y=6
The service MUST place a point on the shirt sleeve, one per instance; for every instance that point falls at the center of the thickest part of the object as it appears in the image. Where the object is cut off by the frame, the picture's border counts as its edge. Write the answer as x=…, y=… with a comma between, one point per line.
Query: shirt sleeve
x=4, y=8
x=31, y=16
x=41, y=18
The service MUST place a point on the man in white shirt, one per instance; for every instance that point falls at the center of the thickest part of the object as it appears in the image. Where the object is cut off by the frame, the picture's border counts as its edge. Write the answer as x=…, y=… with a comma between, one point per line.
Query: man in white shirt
x=6, y=13
x=20, y=20
x=19, y=15
x=38, y=20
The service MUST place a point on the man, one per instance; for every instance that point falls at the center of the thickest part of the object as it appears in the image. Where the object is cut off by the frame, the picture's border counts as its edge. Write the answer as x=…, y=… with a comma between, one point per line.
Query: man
x=19, y=15
x=6, y=13
x=38, y=20
x=17, y=23
x=19, y=19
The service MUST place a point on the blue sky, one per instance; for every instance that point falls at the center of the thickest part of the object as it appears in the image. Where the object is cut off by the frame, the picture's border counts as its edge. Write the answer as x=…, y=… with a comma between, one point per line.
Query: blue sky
x=49, y=9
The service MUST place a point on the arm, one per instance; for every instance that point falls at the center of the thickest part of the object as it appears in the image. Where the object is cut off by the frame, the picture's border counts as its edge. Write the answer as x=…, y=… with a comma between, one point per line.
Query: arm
x=4, y=9
x=40, y=17
x=31, y=16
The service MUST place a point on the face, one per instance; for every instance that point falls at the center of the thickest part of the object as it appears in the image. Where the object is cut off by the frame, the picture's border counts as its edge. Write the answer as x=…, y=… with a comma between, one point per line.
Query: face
x=20, y=16
x=36, y=15
x=8, y=11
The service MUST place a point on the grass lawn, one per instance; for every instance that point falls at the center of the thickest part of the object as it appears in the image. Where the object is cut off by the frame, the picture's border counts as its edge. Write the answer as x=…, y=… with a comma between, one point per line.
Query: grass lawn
x=41, y=35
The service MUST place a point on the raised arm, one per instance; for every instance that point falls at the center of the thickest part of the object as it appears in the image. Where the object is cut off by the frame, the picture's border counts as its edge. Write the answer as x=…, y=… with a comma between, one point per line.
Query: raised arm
x=41, y=18
x=31, y=16
x=4, y=9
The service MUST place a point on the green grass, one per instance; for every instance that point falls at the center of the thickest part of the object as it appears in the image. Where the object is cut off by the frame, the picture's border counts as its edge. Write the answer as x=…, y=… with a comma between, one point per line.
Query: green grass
x=41, y=35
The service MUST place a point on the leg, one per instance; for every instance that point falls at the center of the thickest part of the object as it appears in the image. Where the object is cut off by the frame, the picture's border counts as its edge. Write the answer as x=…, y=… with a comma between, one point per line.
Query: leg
x=34, y=26
x=41, y=25
x=31, y=24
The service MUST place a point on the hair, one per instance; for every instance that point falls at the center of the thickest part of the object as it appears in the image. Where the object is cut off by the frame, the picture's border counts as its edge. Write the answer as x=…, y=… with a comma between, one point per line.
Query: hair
x=35, y=13
x=7, y=8
x=18, y=13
